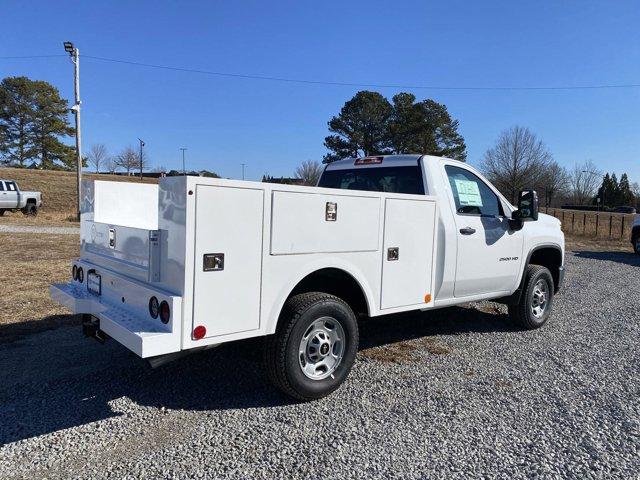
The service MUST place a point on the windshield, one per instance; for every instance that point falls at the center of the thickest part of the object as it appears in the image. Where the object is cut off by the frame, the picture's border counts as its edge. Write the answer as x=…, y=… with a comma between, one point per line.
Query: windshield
x=379, y=179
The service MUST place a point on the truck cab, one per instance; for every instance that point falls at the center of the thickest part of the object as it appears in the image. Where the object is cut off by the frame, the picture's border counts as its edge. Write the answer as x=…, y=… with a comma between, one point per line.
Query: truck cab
x=477, y=231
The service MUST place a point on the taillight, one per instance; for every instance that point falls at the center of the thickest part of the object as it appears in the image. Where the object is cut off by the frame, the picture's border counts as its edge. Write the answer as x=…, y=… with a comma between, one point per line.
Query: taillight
x=165, y=312
x=80, y=275
x=74, y=273
x=154, y=307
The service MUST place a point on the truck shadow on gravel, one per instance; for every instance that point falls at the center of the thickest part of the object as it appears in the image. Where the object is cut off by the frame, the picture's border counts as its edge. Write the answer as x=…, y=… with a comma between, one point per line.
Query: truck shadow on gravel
x=627, y=258
x=58, y=379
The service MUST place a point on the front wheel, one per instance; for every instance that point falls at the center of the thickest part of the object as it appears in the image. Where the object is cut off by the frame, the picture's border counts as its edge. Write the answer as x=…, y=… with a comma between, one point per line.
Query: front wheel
x=314, y=346
x=534, y=308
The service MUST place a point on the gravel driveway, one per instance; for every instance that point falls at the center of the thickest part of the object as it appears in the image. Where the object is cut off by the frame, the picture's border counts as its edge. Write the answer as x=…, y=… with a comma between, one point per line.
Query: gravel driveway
x=42, y=229
x=459, y=393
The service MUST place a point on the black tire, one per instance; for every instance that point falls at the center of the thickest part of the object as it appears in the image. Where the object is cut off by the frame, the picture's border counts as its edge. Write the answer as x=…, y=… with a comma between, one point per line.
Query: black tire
x=1, y=212
x=523, y=312
x=282, y=350
x=30, y=210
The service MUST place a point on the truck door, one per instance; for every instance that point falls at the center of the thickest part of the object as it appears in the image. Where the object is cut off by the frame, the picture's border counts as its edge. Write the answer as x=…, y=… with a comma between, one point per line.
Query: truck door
x=3, y=196
x=9, y=196
x=489, y=252
x=228, y=259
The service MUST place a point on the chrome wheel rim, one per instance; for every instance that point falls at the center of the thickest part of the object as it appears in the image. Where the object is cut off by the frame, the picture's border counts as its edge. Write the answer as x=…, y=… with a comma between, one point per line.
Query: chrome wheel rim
x=321, y=348
x=540, y=298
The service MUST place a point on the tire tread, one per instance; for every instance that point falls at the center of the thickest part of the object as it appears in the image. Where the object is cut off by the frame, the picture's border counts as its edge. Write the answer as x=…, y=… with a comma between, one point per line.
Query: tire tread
x=276, y=345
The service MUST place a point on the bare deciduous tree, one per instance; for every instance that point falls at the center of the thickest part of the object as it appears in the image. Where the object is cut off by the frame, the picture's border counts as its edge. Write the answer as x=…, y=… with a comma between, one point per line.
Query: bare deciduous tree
x=584, y=181
x=97, y=155
x=129, y=160
x=516, y=162
x=309, y=172
x=110, y=164
x=553, y=183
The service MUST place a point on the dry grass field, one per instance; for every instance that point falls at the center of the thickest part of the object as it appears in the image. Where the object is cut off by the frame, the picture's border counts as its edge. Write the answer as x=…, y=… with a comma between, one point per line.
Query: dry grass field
x=58, y=194
x=30, y=263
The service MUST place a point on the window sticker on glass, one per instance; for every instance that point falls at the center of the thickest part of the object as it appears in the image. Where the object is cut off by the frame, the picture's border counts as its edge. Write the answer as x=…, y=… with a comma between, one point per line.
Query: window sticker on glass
x=468, y=193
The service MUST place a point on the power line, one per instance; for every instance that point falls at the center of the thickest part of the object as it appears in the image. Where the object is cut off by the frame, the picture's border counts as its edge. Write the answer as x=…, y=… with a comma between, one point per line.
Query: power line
x=342, y=84
x=353, y=84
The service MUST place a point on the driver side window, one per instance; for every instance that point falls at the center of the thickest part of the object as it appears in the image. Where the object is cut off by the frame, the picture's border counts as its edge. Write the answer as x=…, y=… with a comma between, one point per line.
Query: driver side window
x=472, y=196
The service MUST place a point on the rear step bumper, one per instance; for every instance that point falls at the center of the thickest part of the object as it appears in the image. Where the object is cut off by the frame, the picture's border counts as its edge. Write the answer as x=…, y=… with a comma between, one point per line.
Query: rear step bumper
x=143, y=335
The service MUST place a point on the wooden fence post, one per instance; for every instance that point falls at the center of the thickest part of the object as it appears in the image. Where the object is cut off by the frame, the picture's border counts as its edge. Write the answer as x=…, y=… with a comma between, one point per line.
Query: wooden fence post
x=597, y=222
x=573, y=220
x=622, y=228
x=610, y=224
x=584, y=224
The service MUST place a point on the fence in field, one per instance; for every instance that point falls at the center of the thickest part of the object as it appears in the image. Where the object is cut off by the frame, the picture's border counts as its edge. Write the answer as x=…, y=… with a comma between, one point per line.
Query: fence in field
x=612, y=226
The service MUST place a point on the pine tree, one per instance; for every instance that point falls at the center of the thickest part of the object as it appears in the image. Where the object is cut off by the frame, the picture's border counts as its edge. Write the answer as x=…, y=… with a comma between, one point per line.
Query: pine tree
x=33, y=118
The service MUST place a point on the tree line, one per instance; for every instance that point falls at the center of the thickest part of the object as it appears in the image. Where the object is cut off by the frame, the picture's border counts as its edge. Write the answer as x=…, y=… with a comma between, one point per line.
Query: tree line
x=34, y=122
x=520, y=160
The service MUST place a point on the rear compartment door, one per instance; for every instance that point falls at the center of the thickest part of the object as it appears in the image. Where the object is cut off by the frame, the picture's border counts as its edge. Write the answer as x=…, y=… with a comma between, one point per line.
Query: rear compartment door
x=228, y=259
x=408, y=253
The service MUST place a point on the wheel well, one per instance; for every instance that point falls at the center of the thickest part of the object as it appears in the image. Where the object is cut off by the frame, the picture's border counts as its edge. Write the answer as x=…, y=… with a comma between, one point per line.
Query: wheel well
x=635, y=232
x=551, y=258
x=335, y=282
x=31, y=200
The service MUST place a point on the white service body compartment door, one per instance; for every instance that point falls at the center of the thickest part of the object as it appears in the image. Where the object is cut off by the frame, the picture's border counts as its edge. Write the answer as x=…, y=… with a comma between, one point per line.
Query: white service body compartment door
x=306, y=222
x=228, y=222
x=409, y=234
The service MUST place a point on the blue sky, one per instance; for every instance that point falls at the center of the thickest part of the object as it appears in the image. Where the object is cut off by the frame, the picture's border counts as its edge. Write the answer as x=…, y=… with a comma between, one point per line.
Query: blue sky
x=273, y=126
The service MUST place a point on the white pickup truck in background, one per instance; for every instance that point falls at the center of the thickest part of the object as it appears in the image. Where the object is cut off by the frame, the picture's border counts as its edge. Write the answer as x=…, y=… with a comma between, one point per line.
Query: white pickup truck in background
x=635, y=234
x=14, y=199
x=196, y=262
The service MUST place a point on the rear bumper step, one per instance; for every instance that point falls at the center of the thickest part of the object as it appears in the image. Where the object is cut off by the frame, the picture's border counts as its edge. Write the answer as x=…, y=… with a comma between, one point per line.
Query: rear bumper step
x=102, y=319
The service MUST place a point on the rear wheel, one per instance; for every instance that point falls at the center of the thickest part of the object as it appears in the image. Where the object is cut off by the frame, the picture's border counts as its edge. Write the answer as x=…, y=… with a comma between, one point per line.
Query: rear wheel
x=534, y=308
x=314, y=346
x=30, y=210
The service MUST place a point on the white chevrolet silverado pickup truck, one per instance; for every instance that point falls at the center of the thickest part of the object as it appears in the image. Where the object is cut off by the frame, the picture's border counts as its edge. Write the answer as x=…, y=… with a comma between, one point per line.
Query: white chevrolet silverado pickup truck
x=13, y=199
x=195, y=262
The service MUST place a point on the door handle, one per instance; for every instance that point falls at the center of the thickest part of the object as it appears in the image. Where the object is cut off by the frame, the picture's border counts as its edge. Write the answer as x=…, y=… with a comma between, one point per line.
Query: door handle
x=467, y=231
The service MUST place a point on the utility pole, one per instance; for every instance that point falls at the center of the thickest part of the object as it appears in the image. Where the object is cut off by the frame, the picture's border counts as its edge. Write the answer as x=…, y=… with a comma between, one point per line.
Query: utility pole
x=141, y=145
x=243, y=165
x=74, y=53
x=184, y=171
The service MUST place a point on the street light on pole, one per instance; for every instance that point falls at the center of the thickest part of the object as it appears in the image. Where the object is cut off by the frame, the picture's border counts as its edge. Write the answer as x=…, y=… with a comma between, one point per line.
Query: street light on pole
x=141, y=145
x=184, y=172
x=74, y=53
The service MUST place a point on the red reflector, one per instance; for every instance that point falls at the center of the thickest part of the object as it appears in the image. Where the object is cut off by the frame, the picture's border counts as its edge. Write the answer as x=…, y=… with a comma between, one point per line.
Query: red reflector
x=199, y=332
x=368, y=160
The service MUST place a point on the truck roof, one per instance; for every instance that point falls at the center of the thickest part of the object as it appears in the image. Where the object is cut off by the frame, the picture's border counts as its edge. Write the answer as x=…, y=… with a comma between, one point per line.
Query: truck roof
x=381, y=161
